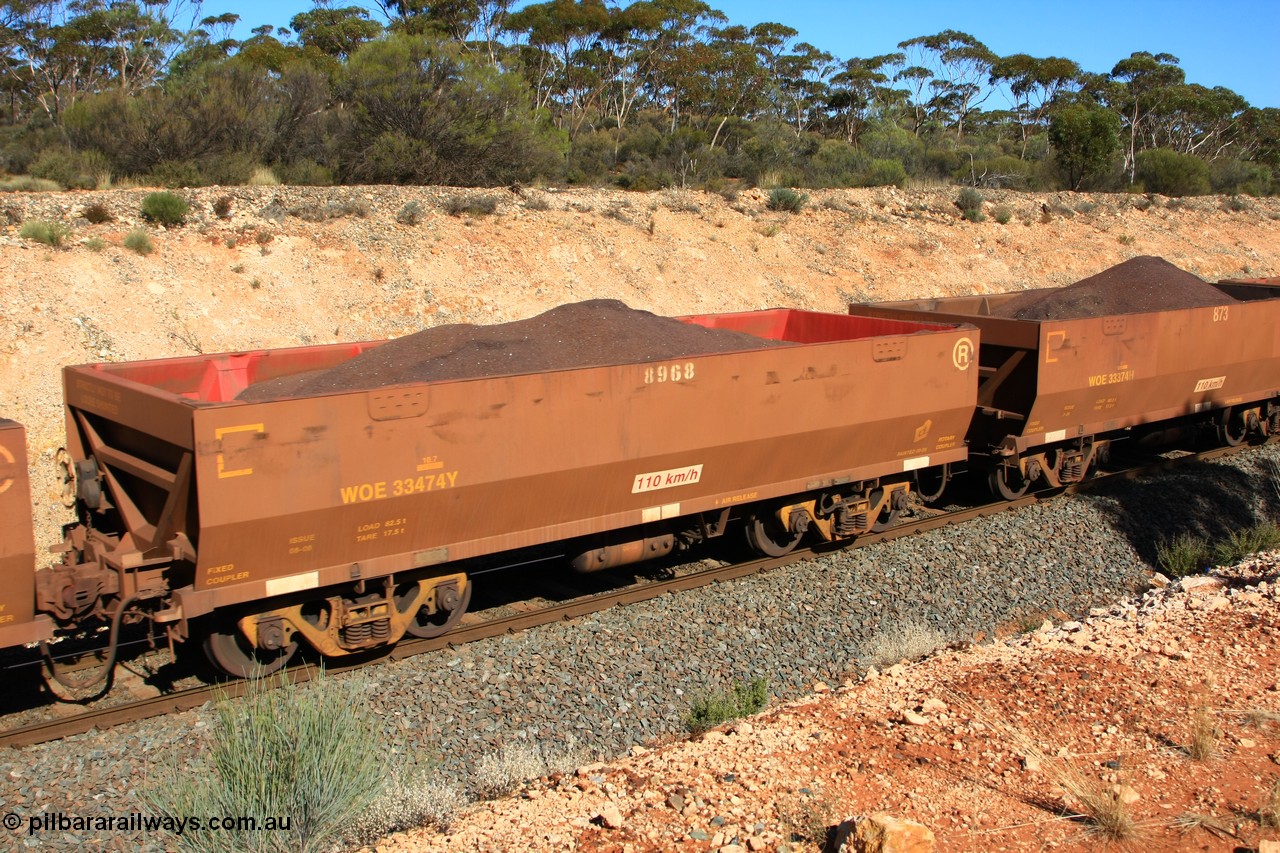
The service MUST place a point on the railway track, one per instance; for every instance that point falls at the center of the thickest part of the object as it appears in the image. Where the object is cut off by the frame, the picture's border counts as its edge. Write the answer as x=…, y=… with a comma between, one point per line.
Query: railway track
x=478, y=627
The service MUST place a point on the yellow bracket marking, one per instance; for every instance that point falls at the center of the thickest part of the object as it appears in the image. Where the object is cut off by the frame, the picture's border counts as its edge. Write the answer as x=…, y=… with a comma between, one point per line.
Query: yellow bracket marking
x=8, y=458
x=1062, y=339
x=219, y=433
x=430, y=466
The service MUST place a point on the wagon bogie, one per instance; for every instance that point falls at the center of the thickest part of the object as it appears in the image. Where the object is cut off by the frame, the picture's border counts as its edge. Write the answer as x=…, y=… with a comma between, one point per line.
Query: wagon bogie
x=362, y=617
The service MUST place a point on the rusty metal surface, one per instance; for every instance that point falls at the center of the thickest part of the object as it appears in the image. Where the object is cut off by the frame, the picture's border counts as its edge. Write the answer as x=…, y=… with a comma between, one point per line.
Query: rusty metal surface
x=18, y=623
x=1067, y=378
x=301, y=493
x=17, y=542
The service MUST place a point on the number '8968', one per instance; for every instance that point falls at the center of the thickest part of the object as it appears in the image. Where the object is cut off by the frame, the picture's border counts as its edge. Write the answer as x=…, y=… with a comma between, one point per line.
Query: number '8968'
x=674, y=372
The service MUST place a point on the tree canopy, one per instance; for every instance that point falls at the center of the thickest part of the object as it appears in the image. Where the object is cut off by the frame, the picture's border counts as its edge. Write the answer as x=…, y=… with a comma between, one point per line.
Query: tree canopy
x=645, y=93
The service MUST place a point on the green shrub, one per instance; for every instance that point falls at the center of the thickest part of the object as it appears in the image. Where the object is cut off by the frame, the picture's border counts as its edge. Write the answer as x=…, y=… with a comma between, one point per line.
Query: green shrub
x=305, y=173
x=884, y=173
x=50, y=233
x=1172, y=173
x=305, y=753
x=1182, y=555
x=165, y=208
x=836, y=163
x=970, y=203
x=787, y=199
x=228, y=169
x=475, y=206
x=1002, y=214
x=741, y=700
x=96, y=244
x=97, y=213
x=1236, y=177
x=411, y=213
x=176, y=173
x=139, y=241
x=69, y=168
x=1246, y=542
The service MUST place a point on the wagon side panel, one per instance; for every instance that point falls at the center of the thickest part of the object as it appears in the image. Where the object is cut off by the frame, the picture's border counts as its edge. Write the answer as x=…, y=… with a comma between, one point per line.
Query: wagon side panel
x=301, y=493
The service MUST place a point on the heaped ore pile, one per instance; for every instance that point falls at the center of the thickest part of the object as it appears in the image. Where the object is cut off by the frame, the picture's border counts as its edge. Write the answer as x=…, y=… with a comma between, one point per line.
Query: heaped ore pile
x=1139, y=284
x=583, y=334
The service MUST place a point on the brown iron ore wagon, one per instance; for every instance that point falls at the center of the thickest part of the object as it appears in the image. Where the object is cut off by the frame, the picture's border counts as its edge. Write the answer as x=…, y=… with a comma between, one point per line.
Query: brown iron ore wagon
x=1066, y=371
x=345, y=519
x=19, y=623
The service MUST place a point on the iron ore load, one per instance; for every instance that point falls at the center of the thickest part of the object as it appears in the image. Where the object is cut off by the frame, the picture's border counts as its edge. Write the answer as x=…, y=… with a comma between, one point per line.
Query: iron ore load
x=333, y=495
x=1139, y=349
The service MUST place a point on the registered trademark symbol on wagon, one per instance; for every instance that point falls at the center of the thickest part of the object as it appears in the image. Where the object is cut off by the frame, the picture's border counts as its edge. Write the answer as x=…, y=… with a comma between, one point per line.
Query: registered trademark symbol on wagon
x=962, y=353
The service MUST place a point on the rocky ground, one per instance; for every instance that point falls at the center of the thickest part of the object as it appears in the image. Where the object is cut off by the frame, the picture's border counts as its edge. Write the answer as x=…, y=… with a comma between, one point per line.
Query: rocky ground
x=974, y=744
x=1153, y=724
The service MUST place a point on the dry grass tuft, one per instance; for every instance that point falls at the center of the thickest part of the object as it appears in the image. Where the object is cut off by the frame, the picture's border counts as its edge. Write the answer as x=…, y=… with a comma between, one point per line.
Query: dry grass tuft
x=1189, y=821
x=418, y=799
x=1098, y=802
x=498, y=774
x=909, y=640
x=1260, y=717
x=264, y=176
x=1203, y=734
x=1269, y=811
x=807, y=818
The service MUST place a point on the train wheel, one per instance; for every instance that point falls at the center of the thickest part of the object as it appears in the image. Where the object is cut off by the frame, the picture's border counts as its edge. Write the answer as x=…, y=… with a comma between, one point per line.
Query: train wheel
x=228, y=650
x=767, y=536
x=1232, y=430
x=1007, y=482
x=452, y=604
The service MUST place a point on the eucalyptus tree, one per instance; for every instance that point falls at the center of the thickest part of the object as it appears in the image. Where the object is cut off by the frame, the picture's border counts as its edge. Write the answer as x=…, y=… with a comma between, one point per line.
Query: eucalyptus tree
x=1193, y=119
x=860, y=90
x=1034, y=84
x=803, y=87
x=562, y=54
x=1085, y=137
x=1147, y=79
x=423, y=110
x=729, y=84
x=957, y=65
x=74, y=47
x=335, y=32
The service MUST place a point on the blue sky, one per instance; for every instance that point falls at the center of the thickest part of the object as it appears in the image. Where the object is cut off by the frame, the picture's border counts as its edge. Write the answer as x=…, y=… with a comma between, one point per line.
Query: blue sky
x=1228, y=43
